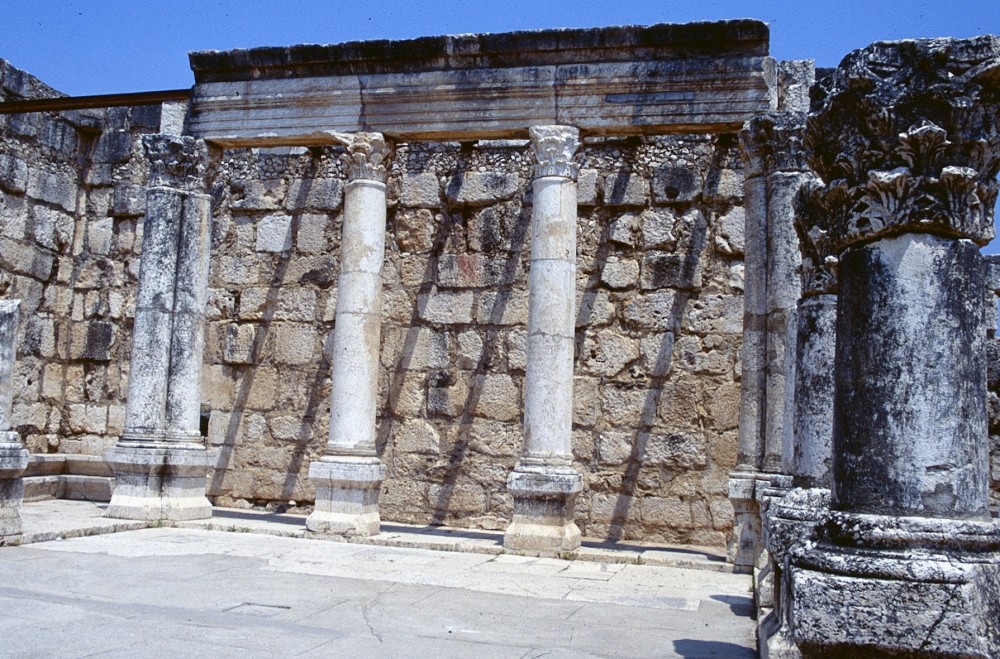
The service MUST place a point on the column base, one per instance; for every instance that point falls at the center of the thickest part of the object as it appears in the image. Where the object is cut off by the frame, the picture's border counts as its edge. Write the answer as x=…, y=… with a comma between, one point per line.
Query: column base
x=544, y=503
x=347, y=490
x=883, y=586
x=160, y=482
x=13, y=461
x=745, y=541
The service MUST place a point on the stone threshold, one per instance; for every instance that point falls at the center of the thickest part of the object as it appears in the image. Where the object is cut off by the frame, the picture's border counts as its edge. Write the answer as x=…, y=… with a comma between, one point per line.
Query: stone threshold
x=58, y=519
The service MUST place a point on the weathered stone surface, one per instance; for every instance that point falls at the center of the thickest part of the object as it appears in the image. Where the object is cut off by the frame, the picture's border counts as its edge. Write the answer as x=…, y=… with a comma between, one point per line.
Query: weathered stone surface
x=481, y=188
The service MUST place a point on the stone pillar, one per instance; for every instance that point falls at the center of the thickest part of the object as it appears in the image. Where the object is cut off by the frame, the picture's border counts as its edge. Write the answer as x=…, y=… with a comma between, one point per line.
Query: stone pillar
x=348, y=476
x=13, y=455
x=545, y=484
x=161, y=462
x=775, y=170
x=908, y=561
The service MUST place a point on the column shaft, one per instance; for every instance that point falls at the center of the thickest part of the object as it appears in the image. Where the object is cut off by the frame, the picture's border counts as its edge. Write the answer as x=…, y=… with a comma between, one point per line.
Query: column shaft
x=544, y=484
x=347, y=478
x=13, y=455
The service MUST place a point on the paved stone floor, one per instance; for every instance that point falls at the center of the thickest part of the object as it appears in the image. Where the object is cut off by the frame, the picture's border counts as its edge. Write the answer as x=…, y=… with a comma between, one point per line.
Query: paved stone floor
x=197, y=592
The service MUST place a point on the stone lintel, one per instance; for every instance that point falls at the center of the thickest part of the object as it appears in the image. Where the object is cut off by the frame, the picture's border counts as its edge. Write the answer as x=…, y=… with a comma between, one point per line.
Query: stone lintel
x=704, y=77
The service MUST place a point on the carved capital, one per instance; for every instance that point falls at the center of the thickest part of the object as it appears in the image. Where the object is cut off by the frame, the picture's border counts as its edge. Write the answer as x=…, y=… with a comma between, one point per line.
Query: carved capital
x=814, y=209
x=773, y=142
x=554, y=147
x=911, y=131
x=367, y=157
x=175, y=161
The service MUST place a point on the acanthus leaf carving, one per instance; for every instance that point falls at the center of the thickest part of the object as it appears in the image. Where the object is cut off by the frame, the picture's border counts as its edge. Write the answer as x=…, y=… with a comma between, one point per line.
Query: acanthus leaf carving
x=175, y=161
x=367, y=156
x=813, y=216
x=554, y=148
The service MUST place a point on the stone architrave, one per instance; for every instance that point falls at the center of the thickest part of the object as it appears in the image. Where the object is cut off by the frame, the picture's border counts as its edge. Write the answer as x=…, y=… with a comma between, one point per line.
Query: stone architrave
x=907, y=562
x=544, y=484
x=13, y=455
x=348, y=476
x=160, y=461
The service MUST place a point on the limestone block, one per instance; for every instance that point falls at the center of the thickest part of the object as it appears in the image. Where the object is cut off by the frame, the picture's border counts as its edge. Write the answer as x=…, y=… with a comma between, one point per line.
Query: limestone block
x=724, y=407
x=415, y=230
x=423, y=348
x=13, y=216
x=606, y=353
x=470, y=349
x=499, y=397
x=481, y=188
x=586, y=187
x=293, y=344
x=594, y=308
x=236, y=270
x=654, y=311
x=508, y=307
x=676, y=449
x=112, y=146
x=417, y=436
x=321, y=194
x=626, y=407
x=54, y=188
x=99, y=236
x=448, y=395
x=620, y=273
x=586, y=405
x=274, y=233
x=13, y=173
x=671, y=270
x=256, y=195
x=238, y=344
x=730, y=236
x=293, y=304
x=52, y=228
x=420, y=191
x=492, y=228
x=626, y=189
x=290, y=428
x=714, y=314
x=615, y=447
x=475, y=271
x=517, y=349
x=665, y=512
x=457, y=498
x=87, y=418
x=672, y=183
x=445, y=307
x=659, y=229
x=92, y=341
x=625, y=230
x=726, y=186
x=311, y=238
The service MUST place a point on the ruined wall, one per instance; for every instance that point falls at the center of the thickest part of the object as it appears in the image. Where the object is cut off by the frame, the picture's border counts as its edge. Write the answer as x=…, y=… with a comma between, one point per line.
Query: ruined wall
x=68, y=250
x=659, y=318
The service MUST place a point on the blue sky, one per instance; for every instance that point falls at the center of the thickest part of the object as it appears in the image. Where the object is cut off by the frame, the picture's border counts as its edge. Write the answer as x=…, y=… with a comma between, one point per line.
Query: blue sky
x=106, y=46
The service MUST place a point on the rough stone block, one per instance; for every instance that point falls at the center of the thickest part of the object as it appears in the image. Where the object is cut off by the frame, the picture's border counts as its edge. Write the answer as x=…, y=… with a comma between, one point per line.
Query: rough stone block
x=730, y=236
x=614, y=447
x=586, y=404
x=92, y=341
x=671, y=270
x=311, y=238
x=625, y=230
x=420, y=191
x=714, y=314
x=475, y=271
x=675, y=449
x=238, y=343
x=294, y=344
x=499, y=398
x=13, y=217
x=482, y=188
x=672, y=184
x=658, y=229
x=620, y=273
x=113, y=146
x=654, y=311
x=54, y=188
x=417, y=436
x=727, y=185
x=606, y=353
x=236, y=270
x=508, y=307
x=274, y=233
x=99, y=236
x=586, y=187
x=446, y=307
x=290, y=428
x=129, y=200
x=626, y=189
x=13, y=174
x=52, y=229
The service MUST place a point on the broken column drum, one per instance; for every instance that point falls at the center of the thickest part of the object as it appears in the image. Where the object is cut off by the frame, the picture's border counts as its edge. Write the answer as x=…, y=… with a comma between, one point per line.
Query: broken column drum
x=161, y=462
x=906, y=141
x=13, y=455
x=348, y=476
x=544, y=484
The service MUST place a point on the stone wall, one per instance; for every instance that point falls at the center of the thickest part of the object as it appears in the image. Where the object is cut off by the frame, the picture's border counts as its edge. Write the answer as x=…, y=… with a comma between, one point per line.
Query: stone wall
x=69, y=219
x=659, y=316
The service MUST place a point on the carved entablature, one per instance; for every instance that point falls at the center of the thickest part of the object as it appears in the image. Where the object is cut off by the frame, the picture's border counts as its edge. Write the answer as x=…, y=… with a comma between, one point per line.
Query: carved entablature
x=367, y=156
x=554, y=148
x=772, y=142
x=910, y=132
x=815, y=207
x=178, y=162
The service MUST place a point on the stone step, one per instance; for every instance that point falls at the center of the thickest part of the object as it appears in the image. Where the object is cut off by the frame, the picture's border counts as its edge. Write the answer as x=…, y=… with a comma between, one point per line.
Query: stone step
x=68, y=486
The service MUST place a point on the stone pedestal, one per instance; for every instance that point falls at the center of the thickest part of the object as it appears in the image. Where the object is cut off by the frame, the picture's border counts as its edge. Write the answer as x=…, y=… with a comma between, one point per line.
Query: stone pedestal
x=544, y=484
x=347, y=478
x=347, y=491
x=161, y=462
x=13, y=455
x=908, y=561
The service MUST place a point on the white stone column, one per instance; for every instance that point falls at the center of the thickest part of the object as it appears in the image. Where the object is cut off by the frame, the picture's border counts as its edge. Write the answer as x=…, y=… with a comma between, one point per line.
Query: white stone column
x=161, y=461
x=545, y=484
x=347, y=478
x=13, y=455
